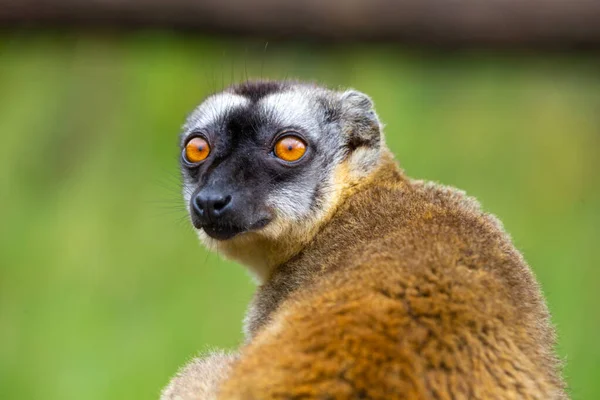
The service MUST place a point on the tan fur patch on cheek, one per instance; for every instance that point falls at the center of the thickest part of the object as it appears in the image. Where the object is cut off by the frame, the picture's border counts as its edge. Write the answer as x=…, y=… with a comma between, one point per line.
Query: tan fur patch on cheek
x=340, y=175
x=301, y=229
x=285, y=228
x=361, y=162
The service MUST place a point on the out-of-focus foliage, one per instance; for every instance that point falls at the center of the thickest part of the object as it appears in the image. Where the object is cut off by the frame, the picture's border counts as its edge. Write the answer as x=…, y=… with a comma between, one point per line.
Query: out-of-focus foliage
x=104, y=290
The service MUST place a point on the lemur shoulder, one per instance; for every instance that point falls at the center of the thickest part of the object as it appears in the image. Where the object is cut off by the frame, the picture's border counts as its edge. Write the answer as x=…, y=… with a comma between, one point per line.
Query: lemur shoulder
x=371, y=285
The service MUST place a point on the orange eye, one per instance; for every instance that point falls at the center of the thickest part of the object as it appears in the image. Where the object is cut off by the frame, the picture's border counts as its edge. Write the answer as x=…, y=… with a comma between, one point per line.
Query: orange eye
x=290, y=148
x=196, y=150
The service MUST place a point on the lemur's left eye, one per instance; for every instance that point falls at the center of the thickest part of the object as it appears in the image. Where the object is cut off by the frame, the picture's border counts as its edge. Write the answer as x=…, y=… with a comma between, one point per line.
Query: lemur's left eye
x=290, y=148
x=196, y=150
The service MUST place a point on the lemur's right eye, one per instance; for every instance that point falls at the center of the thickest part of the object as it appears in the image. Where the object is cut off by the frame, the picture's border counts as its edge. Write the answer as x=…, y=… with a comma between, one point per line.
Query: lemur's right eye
x=196, y=150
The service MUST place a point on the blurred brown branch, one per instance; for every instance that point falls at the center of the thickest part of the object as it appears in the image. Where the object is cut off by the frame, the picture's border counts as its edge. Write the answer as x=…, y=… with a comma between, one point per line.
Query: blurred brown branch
x=533, y=23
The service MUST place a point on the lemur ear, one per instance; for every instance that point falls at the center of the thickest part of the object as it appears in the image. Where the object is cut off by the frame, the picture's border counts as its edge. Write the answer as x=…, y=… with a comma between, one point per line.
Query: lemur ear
x=360, y=122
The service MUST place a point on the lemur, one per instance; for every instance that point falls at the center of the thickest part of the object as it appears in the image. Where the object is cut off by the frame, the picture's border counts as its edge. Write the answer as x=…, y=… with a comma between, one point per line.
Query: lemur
x=372, y=285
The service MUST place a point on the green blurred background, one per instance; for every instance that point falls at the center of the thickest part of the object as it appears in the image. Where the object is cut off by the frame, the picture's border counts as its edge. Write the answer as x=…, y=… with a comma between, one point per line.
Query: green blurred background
x=104, y=289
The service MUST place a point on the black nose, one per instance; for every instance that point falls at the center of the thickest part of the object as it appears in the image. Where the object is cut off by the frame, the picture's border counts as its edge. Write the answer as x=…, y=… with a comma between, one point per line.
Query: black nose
x=211, y=205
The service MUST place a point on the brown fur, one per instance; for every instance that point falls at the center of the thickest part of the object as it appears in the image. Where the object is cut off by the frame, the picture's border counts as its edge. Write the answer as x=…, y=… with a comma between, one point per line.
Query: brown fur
x=389, y=288
x=408, y=291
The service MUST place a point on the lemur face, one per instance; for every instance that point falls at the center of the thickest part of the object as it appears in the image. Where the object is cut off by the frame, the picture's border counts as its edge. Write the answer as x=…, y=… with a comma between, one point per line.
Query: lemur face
x=265, y=154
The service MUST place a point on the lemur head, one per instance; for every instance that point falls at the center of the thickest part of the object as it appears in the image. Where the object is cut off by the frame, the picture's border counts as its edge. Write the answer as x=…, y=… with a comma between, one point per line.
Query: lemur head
x=266, y=163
